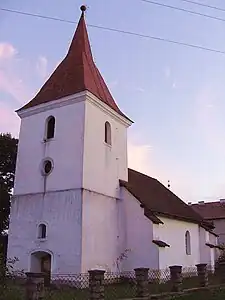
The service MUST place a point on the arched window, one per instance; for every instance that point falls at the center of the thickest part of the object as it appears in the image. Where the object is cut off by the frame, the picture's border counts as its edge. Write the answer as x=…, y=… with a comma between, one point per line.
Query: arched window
x=188, y=243
x=108, y=137
x=50, y=127
x=42, y=231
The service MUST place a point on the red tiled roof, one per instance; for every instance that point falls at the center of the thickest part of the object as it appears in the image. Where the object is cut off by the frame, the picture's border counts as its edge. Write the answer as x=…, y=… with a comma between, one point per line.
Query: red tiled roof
x=155, y=197
x=76, y=73
x=210, y=210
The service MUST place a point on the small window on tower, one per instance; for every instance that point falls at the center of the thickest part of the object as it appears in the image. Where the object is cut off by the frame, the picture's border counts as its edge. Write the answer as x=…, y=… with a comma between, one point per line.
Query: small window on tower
x=42, y=231
x=108, y=136
x=50, y=128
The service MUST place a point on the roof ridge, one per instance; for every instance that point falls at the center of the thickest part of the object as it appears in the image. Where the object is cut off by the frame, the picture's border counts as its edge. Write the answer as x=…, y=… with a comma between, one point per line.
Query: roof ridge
x=143, y=174
x=211, y=202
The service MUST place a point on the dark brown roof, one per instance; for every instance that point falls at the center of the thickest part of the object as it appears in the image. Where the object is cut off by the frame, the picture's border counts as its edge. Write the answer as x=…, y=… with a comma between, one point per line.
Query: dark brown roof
x=210, y=210
x=155, y=197
x=76, y=73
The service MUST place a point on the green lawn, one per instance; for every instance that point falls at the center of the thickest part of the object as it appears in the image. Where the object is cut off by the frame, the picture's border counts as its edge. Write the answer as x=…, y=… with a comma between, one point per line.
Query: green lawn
x=123, y=290
x=215, y=294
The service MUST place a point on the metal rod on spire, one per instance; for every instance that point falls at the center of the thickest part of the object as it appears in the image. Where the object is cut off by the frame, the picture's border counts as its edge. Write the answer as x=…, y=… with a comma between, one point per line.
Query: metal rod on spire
x=83, y=8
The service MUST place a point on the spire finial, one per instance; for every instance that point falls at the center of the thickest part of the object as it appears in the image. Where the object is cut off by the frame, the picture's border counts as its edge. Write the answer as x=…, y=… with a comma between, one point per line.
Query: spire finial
x=83, y=8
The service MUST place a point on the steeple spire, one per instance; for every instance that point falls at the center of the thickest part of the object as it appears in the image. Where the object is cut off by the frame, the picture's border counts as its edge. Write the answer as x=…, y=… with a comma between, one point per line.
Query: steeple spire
x=76, y=73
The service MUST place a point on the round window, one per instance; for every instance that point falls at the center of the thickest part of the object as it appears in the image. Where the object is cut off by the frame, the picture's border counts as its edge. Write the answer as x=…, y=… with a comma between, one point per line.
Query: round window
x=47, y=167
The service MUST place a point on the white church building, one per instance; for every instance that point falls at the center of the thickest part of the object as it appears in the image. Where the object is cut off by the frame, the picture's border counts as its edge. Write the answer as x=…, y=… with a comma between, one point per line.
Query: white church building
x=76, y=204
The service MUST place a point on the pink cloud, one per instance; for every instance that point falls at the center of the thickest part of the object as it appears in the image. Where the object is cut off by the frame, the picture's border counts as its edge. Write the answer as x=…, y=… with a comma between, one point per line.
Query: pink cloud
x=9, y=122
x=13, y=85
x=10, y=68
x=7, y=51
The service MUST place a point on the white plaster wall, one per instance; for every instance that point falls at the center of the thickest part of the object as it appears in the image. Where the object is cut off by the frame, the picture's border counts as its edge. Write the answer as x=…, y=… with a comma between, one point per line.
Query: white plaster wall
x=66, y=149
x=99, y=232
x=213, y=251
x=104, y=165
x=173, y=233
x=204, y=250
x=139, y=235
x=204, y=238
x=61, y=211
x=212, y=239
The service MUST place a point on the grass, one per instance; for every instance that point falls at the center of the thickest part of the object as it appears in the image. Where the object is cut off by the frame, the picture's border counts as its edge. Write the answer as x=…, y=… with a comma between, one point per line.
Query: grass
x=213, y=294
x=112, y=291
x=122, y=290
x=71, y=294
x=13, y=293
x=67, y=294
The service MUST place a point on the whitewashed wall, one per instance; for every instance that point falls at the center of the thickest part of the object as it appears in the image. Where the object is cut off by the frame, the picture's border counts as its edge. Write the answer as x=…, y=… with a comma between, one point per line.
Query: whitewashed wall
x=66, y=150
x=214, y=253
x=173, y=233
x=104, y=165
x=99, y=232
x=61, y=212
x=205, y=257
x=138, y=236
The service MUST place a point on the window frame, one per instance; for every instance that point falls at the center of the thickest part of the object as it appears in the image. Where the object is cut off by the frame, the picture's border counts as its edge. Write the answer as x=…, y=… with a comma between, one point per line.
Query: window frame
x=49, y=130
x=108, y=133
x=42, y=228
x=188, y=242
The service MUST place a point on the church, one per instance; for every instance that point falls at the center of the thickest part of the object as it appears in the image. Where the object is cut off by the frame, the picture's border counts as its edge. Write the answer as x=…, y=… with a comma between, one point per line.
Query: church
x=76, y=205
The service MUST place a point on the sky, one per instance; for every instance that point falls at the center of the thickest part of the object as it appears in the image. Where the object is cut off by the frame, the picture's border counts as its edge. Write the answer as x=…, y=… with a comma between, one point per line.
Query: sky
x=174, y=94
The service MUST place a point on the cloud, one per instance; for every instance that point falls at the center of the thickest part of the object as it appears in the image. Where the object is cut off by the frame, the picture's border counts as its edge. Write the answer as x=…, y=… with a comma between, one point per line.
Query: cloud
x=9, y=122
x=42, y=66
x=147, y=159
x=7, y=51
x=11, y=81
x=11, y=84
x=139, y=157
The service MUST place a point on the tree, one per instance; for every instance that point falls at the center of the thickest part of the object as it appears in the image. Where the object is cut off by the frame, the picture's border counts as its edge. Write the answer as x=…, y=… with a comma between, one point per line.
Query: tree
x=8, y=152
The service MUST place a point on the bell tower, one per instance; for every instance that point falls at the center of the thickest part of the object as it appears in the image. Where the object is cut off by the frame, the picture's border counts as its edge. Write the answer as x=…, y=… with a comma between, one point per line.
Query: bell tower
x=72, y=153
